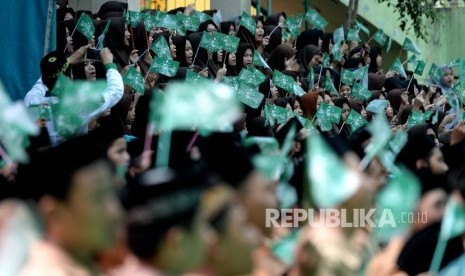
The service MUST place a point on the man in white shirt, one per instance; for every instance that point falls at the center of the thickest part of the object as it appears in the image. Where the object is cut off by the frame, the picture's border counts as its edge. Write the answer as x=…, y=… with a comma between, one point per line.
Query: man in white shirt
x=54, y=64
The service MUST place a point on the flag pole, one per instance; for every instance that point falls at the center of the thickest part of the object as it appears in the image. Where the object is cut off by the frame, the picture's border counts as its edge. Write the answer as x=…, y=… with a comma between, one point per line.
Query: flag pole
x=195, y=56
x=67, y=43
x=224, y=60
x=341, y=128
x=370, y=39
x=273, y=30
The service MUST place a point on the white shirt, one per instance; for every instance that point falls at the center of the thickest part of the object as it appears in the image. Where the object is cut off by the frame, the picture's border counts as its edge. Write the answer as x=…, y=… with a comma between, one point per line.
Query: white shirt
x=112, y=95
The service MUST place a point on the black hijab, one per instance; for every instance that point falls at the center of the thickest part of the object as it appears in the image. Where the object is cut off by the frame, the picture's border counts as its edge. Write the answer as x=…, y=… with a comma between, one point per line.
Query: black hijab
x=274, y=18
x=308, y=37
x=114, y=40
x=180, y=43
x=243, y=47
x=111, y=6
x=202, y=54
x=374, y=53
x=275, y=38
x=305, y=55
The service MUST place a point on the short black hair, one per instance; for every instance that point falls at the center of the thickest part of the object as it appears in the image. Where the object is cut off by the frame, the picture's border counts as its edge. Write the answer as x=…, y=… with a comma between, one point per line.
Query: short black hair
x=50, y=172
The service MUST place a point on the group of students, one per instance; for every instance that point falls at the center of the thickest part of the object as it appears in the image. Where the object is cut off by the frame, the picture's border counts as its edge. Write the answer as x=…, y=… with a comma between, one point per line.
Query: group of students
x=95, y=203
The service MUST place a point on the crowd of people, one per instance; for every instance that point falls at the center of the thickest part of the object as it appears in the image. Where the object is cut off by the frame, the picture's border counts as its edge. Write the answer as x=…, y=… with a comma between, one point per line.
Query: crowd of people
x=92, y=201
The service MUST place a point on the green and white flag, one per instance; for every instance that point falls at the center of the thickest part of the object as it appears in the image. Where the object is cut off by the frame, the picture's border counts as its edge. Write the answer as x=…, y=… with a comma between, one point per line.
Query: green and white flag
x=164, y=66
x=360, y=92
x=398, y=142
x=293, y=26
x=134, y=79
x=353, y=35
x=359, y=26
x=316, y=19
x=248, y=22
x=161, y=48
x=215, y=107
x=338, y=35
x=135, y=18
x=311, y=79
x=249, y=95
x=381, y=134
x=347, y=77
x=211, y=41
x=202, y=17
x=380, y=37
x=329, y=86
x=331, y=182
x=398, y=67
x=101, y=38
x=257, y=60
x=410, y=46
x=230, y=43
x=85, y=26
x=307, y=124
x=193, y=77
x=283, y=81
x=169, y=21
x=329, y=113
x=435, y=73
x=251, y=76
x=377, y=106
x=419, y=67
x=355, y=120
x=276, y=114
x=150, y=21
x=190, y=23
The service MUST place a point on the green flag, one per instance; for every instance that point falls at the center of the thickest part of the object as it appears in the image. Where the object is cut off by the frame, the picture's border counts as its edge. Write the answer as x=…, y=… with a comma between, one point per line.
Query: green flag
x=285, y=248
x=412, y=59
x=267, y=145
x=202, y=17
x=326, y=60
x=249, y=95
x=329, y=113
x=398, y=67
x=331, y=182
x=257, y=60
x=134, y=18
x=360, y=92
x=410, y=46
x=329, y=86
x=190, y=23
x=164, y=66
x=337, y=51
x=293, y=26
x=161, y=48
x=420, y=67
x=359, y=26
x=316, y=19
x=307, y=124
x=388, y=45
x=232, y=82
x=183, y=100
x=134, y=79
x=338, y=35
x=101, y=38
x=311, y=79
x=347, y=77
x=398, y=141
x=251, y=76
x=211, y=41
x=399, y=197
x=377, y=106
x=381, y=134
x=283, y=81
x=169, y=21
x=353, y=35
x=85, y=26
x=416, y=118
x=150, y=21
x=462, y=69
x=297, y=90
x=435, y=73
x=248, y=22
x=230, y=43
x=270, y=165
x=380, y=37
x=355, y=120
x=193, y=77
x=276, y=114
x=453, y=223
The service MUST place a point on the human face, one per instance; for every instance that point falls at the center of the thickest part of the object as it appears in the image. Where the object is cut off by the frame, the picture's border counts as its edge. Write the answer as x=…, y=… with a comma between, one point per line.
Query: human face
x=345, y=111
x=117, y=152
x=237, y=243
x=247, y=59
x=188, y=52
x=281, y=21
x=127, y=36
x=389, y=111
x=379, y=61
x=131, y=114
x=433, y=204
x=69, y=41
x=259, y=32
x=328, y=100
x=219, y=57
x=320, y=42
x=211, y=28
x=364, y=113
x=297, y=109
x=345, y=91
x=314, y=61
x=232, y=30
x=92, y=212
x=448, y=78
x=436, y=162
x=232, y=59
x=68, y=16
x=89, y=70
x=274, y=91
x=257, y=195
x=172, y=48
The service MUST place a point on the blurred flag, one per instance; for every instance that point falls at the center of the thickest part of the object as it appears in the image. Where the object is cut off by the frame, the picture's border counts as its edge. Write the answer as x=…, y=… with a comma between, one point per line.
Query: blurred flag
x=164, y=66
x=134, y=79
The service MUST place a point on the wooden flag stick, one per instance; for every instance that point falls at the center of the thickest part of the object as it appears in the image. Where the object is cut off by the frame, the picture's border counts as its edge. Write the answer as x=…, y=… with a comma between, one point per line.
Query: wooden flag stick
x=273, y=30
x=132, y=37
x=224, y=60
x=341, y=128
x=195, y=56
x=72, y=33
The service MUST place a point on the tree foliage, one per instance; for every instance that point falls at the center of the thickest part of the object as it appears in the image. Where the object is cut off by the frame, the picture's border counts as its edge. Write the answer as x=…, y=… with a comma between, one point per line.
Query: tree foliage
x=418, y=15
